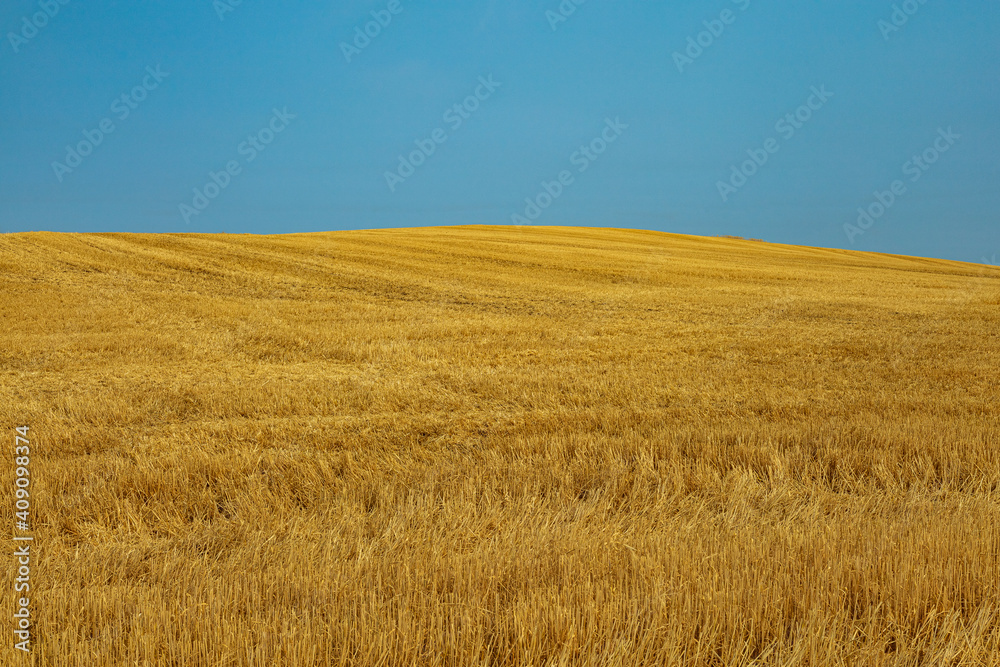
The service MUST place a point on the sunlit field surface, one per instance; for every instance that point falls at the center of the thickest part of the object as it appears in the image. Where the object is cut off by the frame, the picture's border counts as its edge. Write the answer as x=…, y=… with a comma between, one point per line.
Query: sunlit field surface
x=501, y=446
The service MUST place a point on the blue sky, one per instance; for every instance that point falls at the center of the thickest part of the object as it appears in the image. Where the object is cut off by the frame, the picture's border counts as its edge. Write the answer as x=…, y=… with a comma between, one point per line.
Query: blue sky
x=642, y=125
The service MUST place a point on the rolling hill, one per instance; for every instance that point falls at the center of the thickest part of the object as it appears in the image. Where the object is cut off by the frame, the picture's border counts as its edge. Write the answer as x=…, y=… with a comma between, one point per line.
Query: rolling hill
x=502, y=446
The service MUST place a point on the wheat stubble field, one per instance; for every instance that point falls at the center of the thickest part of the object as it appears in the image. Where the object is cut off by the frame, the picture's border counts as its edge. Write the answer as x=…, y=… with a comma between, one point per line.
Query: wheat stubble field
x=501, y=446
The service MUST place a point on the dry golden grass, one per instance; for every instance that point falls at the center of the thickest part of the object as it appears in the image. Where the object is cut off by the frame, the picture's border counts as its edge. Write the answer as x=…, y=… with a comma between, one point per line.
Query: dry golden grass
x=501, y=446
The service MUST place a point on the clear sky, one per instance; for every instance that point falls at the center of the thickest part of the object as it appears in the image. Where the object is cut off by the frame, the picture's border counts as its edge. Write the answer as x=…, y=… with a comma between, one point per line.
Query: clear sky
x=774, y=120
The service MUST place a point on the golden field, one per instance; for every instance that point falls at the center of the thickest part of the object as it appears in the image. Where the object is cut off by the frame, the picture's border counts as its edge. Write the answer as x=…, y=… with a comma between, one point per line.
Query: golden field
x=500, y=446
